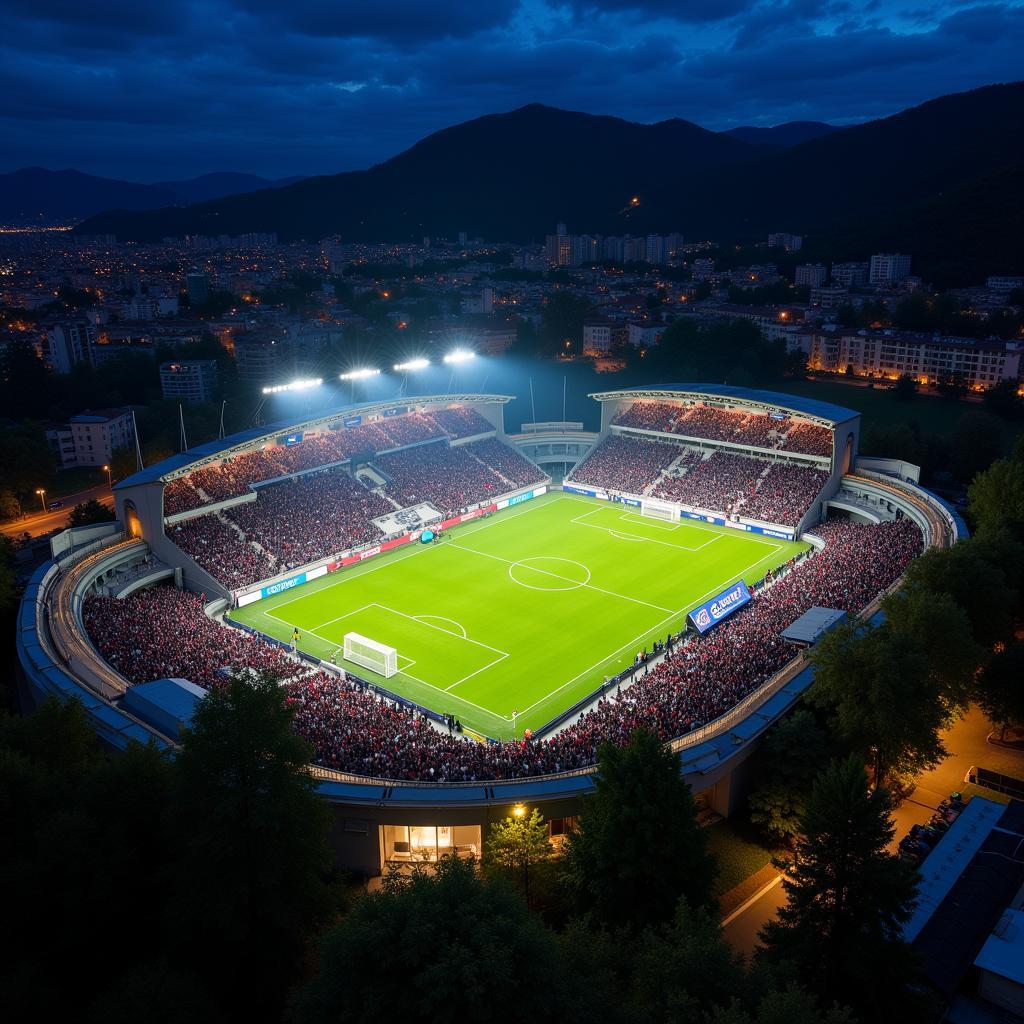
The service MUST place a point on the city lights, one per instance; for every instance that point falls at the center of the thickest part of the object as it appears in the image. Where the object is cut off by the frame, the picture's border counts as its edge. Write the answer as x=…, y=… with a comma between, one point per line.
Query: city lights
x=459, y=355
x=413, y=364
x=295, y=385
x=360, y=374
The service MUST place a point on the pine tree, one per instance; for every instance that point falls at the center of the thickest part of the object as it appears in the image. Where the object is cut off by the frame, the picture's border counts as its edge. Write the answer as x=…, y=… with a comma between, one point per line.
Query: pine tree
x=638, y=846
x=847, y=897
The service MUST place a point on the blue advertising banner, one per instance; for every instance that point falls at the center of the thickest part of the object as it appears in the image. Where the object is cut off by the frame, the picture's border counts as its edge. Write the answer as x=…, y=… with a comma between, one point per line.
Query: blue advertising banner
x=352, y=421
x=293, y=438
x=276, y=588
x=719, y=607
x=579, y=490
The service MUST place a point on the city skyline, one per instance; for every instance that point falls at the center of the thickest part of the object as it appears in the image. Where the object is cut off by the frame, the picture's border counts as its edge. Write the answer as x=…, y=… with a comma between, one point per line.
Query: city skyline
x=153, y=94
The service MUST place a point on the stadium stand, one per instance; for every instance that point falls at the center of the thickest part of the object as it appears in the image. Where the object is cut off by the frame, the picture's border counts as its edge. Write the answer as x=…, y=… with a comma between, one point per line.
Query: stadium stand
x=714, y=424
x=626, y=464
x=311, y=517
x=354, y=730
x=461, y=422
x=221, y=550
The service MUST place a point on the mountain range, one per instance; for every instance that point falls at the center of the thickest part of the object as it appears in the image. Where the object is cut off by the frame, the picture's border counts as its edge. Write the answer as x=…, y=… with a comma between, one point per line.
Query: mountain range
x=34, y=194
x=512, y=176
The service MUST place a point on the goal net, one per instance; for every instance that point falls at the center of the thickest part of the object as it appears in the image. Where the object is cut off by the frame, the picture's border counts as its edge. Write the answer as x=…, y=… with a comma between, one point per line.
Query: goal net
x=372, y=655
x=659, y=510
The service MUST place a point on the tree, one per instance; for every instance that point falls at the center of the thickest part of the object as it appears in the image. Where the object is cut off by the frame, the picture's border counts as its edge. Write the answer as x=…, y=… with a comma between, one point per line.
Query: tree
x=940, y=628
x=794, y=752
x=26, y=462
x=1001, y=688
x=439, y=946
x=638, y=847
x=89, y=512
x=847, y=897
x=10, y=507
x=516, y=844
x=995, y=498
x=1003, y=399
x=860, y=674
x=953, y=386
x=905, y=387
x=251, y=877
x=685, y=967
x=970, y=573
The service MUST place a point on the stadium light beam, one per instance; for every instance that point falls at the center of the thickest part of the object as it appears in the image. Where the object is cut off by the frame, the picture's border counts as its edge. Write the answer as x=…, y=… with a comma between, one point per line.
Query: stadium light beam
x=412, y=364
x=459, y=355
x=362, y=374
x=295, y=385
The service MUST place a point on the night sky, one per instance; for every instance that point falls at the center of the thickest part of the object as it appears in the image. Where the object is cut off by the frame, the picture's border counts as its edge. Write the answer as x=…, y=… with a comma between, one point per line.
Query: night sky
x=155, y=90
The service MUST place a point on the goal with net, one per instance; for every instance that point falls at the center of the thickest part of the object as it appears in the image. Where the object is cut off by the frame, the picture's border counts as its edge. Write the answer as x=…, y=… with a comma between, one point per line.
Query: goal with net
x=370, y=654
x=659, y=510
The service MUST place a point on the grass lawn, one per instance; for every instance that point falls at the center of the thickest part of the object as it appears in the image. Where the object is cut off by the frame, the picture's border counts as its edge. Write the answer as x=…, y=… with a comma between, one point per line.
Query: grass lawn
x=739, y=852
x=523, y=612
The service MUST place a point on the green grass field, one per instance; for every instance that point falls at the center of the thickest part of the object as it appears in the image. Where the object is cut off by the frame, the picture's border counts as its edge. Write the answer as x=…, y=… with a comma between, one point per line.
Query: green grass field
x=525, y=611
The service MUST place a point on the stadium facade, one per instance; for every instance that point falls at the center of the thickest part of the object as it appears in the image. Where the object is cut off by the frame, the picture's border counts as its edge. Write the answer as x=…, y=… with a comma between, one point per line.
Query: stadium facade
x=381, y=820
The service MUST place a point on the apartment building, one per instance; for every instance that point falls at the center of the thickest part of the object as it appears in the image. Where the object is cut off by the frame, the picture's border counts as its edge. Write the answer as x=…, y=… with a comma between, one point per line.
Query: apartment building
x=930, y=359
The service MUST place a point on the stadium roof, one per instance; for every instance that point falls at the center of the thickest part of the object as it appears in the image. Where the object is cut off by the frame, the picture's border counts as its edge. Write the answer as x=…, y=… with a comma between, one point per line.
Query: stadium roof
x=212, y=448
x=813, y=622
x=795, y=403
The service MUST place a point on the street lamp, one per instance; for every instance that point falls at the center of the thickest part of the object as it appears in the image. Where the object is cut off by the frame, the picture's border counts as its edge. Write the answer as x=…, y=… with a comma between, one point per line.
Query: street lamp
x=110, y=482
x=519, y=810
x=41, y=491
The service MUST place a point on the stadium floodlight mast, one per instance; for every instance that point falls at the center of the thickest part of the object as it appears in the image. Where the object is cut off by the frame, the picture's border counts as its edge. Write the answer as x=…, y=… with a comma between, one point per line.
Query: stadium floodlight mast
x=459, y=355
x=362, y=374
x=295, y=385
x=412, y=364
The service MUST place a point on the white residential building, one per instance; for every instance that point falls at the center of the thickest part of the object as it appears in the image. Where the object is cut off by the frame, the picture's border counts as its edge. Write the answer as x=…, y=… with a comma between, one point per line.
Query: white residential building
x=810, y=275
x=97, y=434
x=68, y=344
x=888, y=268
x=189, y=380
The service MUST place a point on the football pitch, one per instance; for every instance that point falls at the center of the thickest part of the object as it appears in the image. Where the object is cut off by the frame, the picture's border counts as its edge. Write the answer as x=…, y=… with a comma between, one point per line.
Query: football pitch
x=525, y=611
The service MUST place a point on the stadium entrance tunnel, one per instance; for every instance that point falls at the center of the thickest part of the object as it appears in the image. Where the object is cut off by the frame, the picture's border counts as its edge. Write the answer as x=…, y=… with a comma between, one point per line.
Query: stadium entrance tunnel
x=548, y=572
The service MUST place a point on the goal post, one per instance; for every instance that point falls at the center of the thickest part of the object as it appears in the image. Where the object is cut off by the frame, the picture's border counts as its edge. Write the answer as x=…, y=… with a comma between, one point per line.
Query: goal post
x=659, y=510
x=377, y=657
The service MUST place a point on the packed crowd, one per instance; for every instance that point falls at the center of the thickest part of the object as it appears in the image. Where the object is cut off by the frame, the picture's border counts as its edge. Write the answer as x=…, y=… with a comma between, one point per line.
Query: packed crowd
x=784, y=495
x=219, y=549
x=506, y=461
x=311, y=517
x=717, y=483
x=721, y=482
x=353, y=730
x=162, y=632
x=625, y=464
x=808, y=439
x=738, y=427
x=233, y=477
x=461, y=421
x=323, y=513
x=452, y=479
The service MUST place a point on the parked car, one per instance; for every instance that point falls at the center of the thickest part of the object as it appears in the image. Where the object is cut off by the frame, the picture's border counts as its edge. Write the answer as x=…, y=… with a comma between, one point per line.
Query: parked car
x=54, y=505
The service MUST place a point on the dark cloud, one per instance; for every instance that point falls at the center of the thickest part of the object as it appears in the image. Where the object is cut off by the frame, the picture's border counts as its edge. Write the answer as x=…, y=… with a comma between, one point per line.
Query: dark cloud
x=154, y=91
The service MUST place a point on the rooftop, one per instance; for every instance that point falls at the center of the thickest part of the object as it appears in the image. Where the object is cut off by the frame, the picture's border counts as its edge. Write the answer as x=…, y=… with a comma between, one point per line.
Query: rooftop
x=776, y=399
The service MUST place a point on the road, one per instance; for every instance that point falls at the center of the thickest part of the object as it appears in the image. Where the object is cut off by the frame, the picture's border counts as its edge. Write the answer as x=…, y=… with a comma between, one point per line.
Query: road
x=40, y=524
x=967, y=745
x=741, y=927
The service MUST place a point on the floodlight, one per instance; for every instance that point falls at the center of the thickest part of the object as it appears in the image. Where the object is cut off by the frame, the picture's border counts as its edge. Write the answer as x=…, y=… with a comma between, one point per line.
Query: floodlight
x=413, y=364
x=459, y=355
x=295, y=385
x=360, y=374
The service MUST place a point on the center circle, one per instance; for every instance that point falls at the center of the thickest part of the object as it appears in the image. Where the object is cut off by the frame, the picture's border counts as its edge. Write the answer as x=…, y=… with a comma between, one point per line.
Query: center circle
x=547, y=572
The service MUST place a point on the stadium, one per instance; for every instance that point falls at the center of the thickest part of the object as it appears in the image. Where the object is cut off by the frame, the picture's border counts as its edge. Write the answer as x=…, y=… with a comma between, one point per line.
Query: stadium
x=461, y=615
